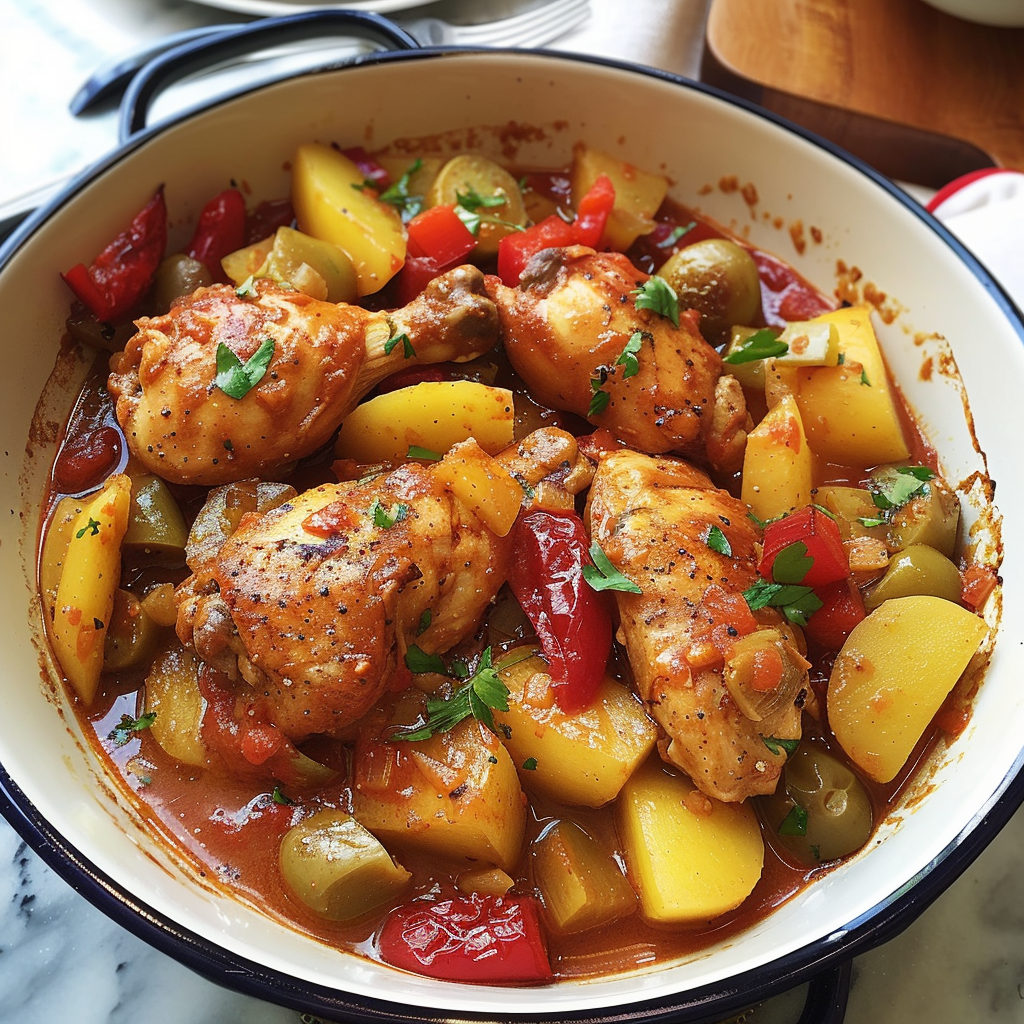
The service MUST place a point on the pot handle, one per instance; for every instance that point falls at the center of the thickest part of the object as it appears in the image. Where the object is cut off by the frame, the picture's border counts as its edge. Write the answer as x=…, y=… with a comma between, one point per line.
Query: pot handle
x=197, y=54
x=827, y=996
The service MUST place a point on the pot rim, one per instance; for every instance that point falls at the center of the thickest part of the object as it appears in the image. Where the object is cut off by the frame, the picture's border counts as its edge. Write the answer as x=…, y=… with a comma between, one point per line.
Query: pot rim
x=889, y=916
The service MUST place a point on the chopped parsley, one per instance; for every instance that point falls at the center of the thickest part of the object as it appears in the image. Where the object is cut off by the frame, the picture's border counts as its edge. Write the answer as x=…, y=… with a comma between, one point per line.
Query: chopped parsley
x=482, y=693
x=92, y=528
x=530, y=764
x=864, y=378
x=416, y=452
x=658, y=295
x=601, y=398
x=247, y=289
x=602, y=575
x=397, y=195
x=870, y=521
x=235, y=378
x=128, y=726
x=761, y=344
x=385, y=518
x=424, y=624
x=279, y=797
x=797, y=603
x=777, y=746
x=718, y=542
x=675, y=234
x=418, y=661
x=795, y=823
x=408, y=352
x=628, y=359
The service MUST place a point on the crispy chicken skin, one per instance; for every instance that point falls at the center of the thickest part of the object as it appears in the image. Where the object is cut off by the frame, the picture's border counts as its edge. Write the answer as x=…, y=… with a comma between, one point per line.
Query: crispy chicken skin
x=312, y=603
x=652, y=517
x=179, y=424
x=568, y=323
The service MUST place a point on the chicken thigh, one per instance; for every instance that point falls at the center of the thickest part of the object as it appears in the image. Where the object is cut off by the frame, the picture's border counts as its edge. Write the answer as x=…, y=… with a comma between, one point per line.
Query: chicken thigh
x=693, y=643
x=180, y=422
x=313, y=598
x=566, y=328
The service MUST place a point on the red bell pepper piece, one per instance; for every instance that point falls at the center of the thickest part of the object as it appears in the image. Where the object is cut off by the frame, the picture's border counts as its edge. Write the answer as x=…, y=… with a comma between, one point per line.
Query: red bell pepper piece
x=841, y=609
x=515, y=250
x=468, y=938
x=123, y=272
x=439, y=233
x=368, y=167
x=268, y=216
x=220, y=230
x=819, y=532
x=572, y=620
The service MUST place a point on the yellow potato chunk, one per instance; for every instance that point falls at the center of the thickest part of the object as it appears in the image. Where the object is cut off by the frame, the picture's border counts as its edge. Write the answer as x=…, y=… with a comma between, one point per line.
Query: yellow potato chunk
x=581, y=759
x=88, y=581
x=690, y=858
x=580, y=883
x=638, y=194
x=330, y=205
x=172, y=694
x=778, y=463
x=483, y=485
x=848, y=410
x=892, y=675
x=455, y=794
x=434, y=415
x=337, y=868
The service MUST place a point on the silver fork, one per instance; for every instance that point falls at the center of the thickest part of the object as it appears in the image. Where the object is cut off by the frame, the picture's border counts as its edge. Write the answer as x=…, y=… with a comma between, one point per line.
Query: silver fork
x=535, y=27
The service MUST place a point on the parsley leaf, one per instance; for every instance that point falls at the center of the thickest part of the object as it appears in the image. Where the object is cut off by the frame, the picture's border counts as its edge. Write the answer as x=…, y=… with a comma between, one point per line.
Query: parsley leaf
x=870, y=522
x=92, y=528
x=718, y=541
x=247, y=289
x=795, y=602
x=792, y=563
x=795, y=823
x=385, y=518
x=761, y=344
x=418, y=661
x=482, y=693
x=530, y=764
x=397, y=195
x=777, y=746
x=890, y=488
x=279, y=797
x=128, y=726
x=416, y=452
x=408, y=352
x=602, y=575
x=658, y=295
x=424, y=624
x=472, y=200
x=599, y=401
x=676, y=233
x=235, y=378
x=628, y=359
x=864, y=378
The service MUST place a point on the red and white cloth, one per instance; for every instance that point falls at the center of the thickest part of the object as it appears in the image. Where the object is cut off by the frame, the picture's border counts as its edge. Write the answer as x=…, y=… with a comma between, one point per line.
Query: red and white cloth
x=985, y=210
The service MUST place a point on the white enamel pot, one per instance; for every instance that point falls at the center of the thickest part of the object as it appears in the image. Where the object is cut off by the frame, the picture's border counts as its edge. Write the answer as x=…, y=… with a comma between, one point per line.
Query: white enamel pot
x=791, y=185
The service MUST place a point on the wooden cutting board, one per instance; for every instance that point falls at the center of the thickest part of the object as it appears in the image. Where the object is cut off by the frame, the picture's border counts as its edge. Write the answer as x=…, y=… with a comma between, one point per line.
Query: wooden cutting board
x=918, y=93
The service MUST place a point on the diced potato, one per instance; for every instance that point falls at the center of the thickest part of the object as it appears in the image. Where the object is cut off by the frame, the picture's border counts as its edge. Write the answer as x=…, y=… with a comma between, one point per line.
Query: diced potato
x=469, y=173
x=172, y=694
x=638, y=194
x=244, y=263
x=88, y=581
x=848, y=411
x=777, y=463
x=337, y=868
x=433, y=415
x=330, y=204
x=455, y=794
x=582, y=759
x=580, y=883
x=690, y=858
x=892, y=675
x=811, y=343
x=486, y=881
x=55, y=547
x=483, y=485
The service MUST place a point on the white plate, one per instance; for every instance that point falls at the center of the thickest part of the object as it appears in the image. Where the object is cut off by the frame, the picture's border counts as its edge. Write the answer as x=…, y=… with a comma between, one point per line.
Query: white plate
x=275, y=7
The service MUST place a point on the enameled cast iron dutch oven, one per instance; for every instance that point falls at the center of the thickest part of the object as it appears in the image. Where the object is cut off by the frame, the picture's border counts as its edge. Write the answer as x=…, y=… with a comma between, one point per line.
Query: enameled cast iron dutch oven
x=946, y=309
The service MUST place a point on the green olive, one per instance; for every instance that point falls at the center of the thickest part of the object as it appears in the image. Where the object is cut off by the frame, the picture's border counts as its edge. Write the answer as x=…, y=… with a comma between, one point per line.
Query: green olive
x=931, y=518
x=820, y=809
x=176, y=276
x=467, y=178
x=914, y=571
x=719, y=279
x=337, y=868
x=155, y=523
x=132, y=635
x=850, y=507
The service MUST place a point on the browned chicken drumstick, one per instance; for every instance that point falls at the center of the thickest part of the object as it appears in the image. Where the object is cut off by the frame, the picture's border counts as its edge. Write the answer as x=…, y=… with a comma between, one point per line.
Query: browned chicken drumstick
x=191, y=426
x=566, y=328
x=701, y=660
x=314, y=601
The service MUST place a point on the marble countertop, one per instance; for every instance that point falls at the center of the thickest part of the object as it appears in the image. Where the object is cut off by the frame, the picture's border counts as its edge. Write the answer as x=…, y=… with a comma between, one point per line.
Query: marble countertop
x=60, y=958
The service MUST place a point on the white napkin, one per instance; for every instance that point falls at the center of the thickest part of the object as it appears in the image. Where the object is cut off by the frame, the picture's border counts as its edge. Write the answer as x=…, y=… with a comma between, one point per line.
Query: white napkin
x=985, y=210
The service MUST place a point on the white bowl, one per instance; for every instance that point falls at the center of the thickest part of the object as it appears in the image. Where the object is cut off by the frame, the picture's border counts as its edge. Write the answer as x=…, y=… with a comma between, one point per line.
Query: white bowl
x=1007, y=13
x=54, y=787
